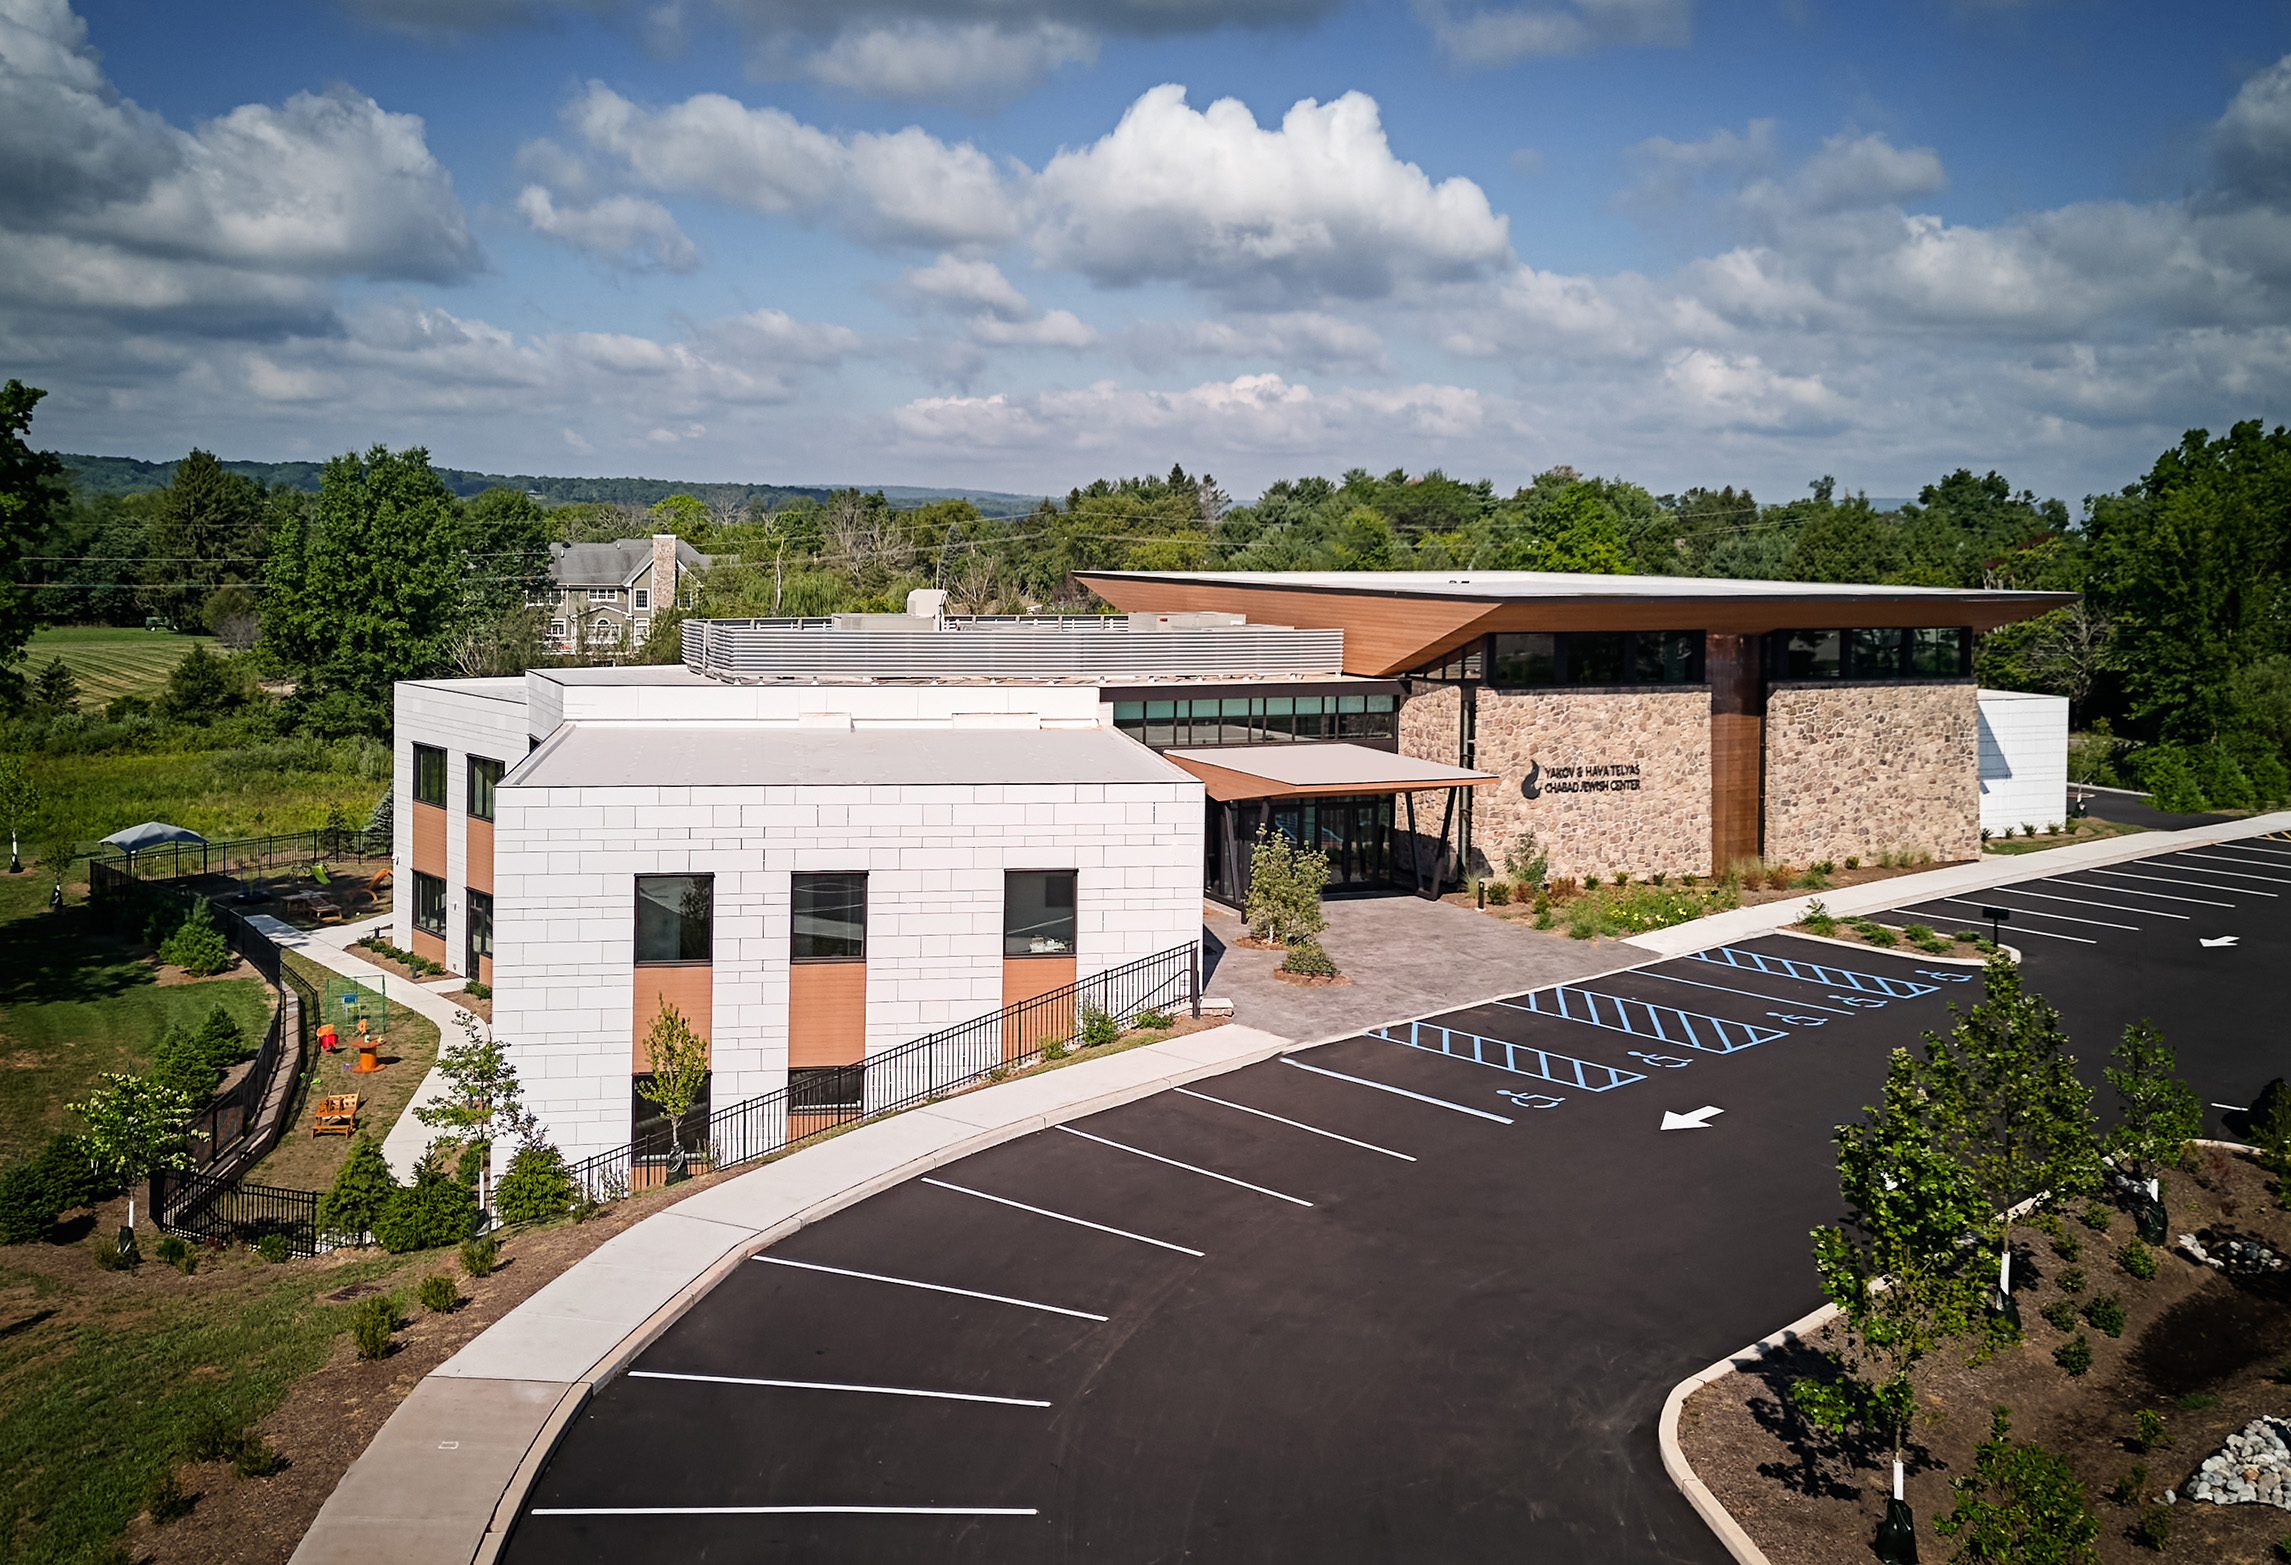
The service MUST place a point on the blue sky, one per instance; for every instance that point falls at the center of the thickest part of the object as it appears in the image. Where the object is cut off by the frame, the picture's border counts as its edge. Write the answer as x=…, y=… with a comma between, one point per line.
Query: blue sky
x=1018, y=244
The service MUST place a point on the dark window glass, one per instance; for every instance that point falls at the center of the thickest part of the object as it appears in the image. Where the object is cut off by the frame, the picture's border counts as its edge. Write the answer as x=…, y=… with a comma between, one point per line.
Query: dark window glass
x=429, y=774
x=480, y=925
x=1038, y=913
x=1876, y=654
x=429, y=904
x=1811, y=654
x=830, y=922
x=1531, y=659
x=675, y=918
x=648, y=1125
x=484, y=777
x=1598, y=658
x=824, y=1087
x=1667, y=657
x=1938, y=653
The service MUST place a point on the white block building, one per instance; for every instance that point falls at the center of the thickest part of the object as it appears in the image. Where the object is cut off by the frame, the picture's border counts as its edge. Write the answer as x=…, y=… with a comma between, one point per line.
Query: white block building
x=2024, y=760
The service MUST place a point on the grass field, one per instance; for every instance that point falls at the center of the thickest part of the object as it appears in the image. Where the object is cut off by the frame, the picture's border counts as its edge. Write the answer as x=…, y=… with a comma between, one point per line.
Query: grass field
x=96, y=795
x=112, y=661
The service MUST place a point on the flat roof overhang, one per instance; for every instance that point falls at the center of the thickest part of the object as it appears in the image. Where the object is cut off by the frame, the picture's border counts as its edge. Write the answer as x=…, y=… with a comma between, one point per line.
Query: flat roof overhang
x=1401, y=620
x=1309, y=770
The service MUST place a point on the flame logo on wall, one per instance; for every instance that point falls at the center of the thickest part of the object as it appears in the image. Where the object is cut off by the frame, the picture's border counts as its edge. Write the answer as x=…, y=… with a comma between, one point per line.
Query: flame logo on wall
x=1529, y=788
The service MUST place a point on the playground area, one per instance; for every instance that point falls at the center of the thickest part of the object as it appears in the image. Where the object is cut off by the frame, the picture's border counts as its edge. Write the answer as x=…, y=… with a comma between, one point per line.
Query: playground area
x=305, y=878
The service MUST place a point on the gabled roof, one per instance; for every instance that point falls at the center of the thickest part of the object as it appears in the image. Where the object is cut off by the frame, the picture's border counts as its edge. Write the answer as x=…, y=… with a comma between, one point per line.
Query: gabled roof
x=614, y=564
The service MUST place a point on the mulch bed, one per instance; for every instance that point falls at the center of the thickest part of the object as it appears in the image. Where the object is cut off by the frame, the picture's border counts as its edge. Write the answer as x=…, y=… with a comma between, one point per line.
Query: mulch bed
x=2200, y=1348
x=1962, y=950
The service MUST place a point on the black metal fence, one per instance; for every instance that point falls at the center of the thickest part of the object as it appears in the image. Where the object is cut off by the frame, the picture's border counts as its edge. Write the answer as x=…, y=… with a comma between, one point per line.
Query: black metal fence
x=201, y=1207
x=174, y=860
x=955, y=1059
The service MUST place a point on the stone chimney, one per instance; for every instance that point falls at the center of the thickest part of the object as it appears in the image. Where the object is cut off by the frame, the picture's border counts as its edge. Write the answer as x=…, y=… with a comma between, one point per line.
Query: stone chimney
x=663, y=571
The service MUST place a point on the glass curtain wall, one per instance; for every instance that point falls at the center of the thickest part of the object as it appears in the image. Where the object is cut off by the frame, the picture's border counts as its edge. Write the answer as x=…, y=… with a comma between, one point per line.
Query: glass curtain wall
x=1354, y=830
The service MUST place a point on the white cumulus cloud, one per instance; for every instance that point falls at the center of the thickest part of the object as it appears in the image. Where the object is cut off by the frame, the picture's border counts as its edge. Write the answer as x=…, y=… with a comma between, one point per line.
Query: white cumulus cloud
x=624, y=231
x=972, y=63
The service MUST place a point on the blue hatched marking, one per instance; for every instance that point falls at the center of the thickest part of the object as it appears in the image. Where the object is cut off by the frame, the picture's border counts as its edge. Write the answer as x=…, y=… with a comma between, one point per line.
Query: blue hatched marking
x=1664, y=1023
x=1502, y=1054
x=1812, y=972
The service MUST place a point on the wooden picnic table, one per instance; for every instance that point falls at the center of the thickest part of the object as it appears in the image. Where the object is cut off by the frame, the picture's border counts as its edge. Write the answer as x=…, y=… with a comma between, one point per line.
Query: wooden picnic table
x=311, y=904
x=337, y=1115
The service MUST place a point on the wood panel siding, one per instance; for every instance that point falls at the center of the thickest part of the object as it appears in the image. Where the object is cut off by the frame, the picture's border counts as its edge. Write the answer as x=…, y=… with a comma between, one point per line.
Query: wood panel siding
x=1388, y=633
x=689, y=986
x=1027, y=978
x=480, y=856
x=1737, y=747
x=429, y=839
x=827, y=1013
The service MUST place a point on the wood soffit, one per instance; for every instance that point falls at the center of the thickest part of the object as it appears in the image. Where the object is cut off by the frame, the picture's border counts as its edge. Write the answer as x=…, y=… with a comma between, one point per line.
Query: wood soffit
x=1223, y=783
x=1391, y=633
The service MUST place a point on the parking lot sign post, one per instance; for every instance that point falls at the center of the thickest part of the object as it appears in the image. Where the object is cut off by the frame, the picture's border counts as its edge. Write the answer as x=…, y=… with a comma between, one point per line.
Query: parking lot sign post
x=1996, y=916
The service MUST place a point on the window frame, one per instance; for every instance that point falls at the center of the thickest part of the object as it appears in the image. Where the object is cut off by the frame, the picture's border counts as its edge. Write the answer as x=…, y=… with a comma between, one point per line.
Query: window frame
x=423, y=881
x=429, y=774
x=644, y=1112
x=636, y=932
x=640, y=599
x=801, y=878
x=848, y=1082
x=489, y=789
x=479, y=938
x=1073, y=906
x=604, y=595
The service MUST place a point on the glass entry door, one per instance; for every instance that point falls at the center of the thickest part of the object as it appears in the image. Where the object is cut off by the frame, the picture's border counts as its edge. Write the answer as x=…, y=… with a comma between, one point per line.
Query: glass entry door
x=1354, y=830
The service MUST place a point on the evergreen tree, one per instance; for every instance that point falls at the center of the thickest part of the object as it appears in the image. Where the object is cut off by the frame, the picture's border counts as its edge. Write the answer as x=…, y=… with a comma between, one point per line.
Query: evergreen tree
x=436, y=1209
x=200, y=688
x=361, y=1192
x=55, y=689
x=537, y=1185
x=30, y=495
x=208, y=527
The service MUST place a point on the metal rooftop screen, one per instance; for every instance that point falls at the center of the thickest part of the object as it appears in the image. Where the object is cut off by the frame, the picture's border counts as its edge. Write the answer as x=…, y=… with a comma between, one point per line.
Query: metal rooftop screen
x=1064, y=647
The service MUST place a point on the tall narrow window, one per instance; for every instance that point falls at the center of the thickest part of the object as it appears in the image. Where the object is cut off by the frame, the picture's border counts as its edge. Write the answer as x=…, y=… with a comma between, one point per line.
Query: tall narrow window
x=480, y=926
x=429, y=904
x=484, y=777
x=429, y=774
x=675, y=918
x=830, y=918
x=1038, y=913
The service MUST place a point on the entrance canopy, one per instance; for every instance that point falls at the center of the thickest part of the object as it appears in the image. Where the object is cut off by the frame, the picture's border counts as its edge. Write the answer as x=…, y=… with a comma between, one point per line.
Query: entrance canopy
x=1305, y=770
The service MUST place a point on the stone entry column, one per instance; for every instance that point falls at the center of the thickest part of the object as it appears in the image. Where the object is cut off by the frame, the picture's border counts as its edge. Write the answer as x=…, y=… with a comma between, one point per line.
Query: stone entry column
x=1733, y=665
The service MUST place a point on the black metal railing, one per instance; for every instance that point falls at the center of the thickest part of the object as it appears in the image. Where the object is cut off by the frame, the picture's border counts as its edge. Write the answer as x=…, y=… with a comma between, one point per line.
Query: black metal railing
x=232, y=856
x=199, y=1206
x=955, y=1059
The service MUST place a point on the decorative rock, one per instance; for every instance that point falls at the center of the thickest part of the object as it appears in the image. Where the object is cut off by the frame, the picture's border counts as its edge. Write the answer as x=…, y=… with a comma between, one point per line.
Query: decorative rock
x=2252, y=1468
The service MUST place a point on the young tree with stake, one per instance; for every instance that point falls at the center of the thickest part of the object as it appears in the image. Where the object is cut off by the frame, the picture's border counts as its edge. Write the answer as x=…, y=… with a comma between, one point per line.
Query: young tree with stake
x=678, y=1059
x=1895, y=1270
x=484, y=1100
x=15, y=805
x=2159, y=1117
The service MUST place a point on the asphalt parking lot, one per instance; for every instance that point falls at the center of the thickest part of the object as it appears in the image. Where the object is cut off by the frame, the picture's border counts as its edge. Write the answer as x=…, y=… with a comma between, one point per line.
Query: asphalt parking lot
x=1415, y=1295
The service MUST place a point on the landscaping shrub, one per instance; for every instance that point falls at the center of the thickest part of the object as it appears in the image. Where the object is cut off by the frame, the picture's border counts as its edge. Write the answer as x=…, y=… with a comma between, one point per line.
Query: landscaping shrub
x=1499, y=893
x=2106, y=1313
x=537, y=1185
x=35, y=1192
x=2074, y=1355
x=257, y=1458
x=197, y=946
x=438, y=1294
x=1307, y=959
x=1285, y=884
x=1918, y=933
x=2072, y=1280
x=2149, y=1431
x=1590, y=883
x=2154, y=1529
x=1875, y=933
x=274, y=1248
x=361, y=1192
x=480, y=1256
x=1098, y=1029
x=371, y=1323
x=2129, y=1489
x=2066, y=1245
x=1778, y=878
x=1853, y=861
x=1054, y=1048
x=477, y=991
x=105, y=1253
x=171, y=1249
x=1153, y=1021
x=2061, y=1313
x=2020, y=1502
x=214, y=1436
x=1819, y=919
x=436, y=1209
x=177, y=1061
x=2137, y=1259
x=469, y=1166
x=2095, y=1216
x=165, y=1499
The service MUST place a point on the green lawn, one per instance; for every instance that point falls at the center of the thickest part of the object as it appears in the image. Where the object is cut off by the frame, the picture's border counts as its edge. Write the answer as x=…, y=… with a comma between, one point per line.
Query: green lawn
x=74, y=1005
x=111, y=661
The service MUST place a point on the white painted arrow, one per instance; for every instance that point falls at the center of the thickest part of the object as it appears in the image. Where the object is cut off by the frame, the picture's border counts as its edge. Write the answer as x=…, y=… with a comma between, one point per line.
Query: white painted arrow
x=2223, y=940
x=1698, y=1120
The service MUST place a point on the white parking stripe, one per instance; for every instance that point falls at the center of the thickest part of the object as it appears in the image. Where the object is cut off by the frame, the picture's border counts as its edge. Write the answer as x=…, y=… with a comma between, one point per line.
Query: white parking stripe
x=1191, y=1168
x=2168, y=880
x=1775, y=999
x=2065, y=918
x=2152, y=912
x=2134, y=891
x=783, y=1510
x=2231, y=874
x=1297, y=1124
x=829, y=1385
x=2236, y=853
x=2270, y=846
x=1403, y=1092
x=1079, y=1222
x=930, y=1287
x=2045, y=934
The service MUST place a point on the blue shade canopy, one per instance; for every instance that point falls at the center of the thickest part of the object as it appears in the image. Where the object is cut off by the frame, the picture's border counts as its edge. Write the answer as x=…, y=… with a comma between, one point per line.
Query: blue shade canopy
x=150, y=835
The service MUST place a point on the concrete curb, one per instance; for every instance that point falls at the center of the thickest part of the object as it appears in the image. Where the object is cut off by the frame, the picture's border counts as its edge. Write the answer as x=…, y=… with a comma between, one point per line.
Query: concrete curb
x=1721, y=1521
x=1981, y=875
x=1915, y=956
x=508, y=1396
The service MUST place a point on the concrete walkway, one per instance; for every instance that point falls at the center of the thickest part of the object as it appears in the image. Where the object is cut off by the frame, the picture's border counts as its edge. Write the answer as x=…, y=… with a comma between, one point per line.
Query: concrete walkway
x=2000, y=869
x=442, y=1480
x=1406, y=957
x=402, y=1146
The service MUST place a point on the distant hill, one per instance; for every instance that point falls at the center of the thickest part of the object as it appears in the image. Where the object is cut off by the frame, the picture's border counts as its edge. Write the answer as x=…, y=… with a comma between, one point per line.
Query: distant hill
x=102, y=475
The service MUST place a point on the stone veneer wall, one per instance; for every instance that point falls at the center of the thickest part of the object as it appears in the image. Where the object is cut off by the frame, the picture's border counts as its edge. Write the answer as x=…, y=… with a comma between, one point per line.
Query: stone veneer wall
x=1859, y=769
x=1429, y=717
x=1663, y=824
